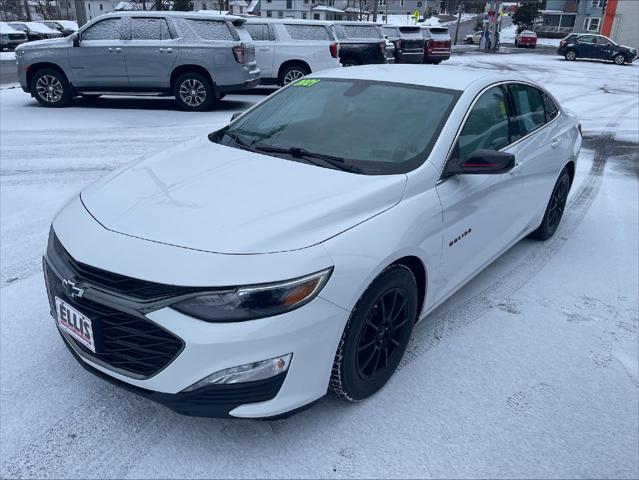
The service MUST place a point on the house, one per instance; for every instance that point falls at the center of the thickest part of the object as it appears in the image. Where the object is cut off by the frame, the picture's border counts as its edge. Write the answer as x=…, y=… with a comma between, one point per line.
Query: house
x=335, y=9
x=620, y=22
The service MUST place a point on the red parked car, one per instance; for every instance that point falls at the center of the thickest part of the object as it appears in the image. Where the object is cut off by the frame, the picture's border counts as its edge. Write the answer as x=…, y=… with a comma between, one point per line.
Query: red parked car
x=526, y=39
x=437, y=45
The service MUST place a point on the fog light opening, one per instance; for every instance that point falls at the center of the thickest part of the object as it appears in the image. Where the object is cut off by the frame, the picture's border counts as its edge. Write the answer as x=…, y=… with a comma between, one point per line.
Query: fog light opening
x=249, y=372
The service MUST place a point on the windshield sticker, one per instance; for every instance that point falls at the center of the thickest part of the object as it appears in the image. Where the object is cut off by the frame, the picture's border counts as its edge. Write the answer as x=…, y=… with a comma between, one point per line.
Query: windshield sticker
x=306, y=82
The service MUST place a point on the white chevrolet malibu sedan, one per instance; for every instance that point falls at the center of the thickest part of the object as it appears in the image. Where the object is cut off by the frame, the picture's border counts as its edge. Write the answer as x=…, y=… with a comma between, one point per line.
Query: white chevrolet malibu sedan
x=292, y=252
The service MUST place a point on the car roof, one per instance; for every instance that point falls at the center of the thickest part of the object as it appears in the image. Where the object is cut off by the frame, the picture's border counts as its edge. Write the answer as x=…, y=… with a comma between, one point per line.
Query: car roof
x=441, y=76
x=291, y=21
x=156, y=13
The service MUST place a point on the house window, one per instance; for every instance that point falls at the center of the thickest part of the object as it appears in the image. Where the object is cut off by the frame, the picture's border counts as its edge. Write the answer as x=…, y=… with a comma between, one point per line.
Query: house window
x=401, y=3
x=304, y=15
x=89, y=6
x=381, y=3
x=280, y=14
x=591, y=24
x=597, y=4
x=204, y=6
x=289, y=4
x=269, y=14
x=100, y=6
x=316, y=16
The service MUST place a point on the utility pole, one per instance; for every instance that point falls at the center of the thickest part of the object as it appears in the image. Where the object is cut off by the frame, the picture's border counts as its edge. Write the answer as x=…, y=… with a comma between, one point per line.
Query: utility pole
x=460, y=9
x=375, y=2
x=80, y=12
x=27, y=12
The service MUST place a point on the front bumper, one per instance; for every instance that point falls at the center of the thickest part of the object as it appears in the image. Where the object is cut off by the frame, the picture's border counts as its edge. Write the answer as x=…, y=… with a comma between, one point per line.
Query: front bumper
x=311, y=333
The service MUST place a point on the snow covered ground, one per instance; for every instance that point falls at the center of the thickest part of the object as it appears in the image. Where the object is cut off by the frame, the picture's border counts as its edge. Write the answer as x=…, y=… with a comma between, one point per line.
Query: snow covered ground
x=530, y=371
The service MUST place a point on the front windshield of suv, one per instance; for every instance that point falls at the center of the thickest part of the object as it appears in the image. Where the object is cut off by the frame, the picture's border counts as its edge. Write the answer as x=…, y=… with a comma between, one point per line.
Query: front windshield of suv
x=362, y=126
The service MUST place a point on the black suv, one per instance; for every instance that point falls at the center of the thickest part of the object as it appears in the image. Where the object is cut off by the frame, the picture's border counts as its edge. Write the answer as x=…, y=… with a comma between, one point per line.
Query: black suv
x=597, y=47
x=408, y=41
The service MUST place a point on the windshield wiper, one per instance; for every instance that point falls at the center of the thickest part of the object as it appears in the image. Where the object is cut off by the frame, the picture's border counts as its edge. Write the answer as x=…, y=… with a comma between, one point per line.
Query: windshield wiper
x=298, y=152
x=235, y=136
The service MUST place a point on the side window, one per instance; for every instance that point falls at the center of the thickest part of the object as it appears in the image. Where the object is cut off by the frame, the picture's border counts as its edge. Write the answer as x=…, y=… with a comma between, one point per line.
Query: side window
x=211, y=29
x=362, y=31
x=149, y=29
x=108, y=29
x=529, y=108
x=258, y=31
x=486, y=126
x=551, y=107
x=603, y=41
x=588, y=39
x=308, y=32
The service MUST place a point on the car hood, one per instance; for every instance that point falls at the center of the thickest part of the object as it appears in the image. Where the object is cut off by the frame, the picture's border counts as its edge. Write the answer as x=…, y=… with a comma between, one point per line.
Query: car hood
x=48, y=43
x=220, y=199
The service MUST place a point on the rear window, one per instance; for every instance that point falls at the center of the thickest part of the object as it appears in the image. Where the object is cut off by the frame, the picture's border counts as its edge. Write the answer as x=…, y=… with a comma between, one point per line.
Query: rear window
x=390, y=31
x=360, y=31
x=308, y=32
x=210, y=29
x=258, y=32
x=149, y=29
x=409, y=29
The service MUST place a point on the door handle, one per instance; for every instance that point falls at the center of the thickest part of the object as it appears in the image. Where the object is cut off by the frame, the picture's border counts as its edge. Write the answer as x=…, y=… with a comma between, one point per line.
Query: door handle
x=555, y=143
x=166, y=50
x=115, y=49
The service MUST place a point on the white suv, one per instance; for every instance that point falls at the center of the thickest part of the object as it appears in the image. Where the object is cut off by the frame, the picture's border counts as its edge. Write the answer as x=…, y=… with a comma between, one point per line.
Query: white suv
x=286, y=49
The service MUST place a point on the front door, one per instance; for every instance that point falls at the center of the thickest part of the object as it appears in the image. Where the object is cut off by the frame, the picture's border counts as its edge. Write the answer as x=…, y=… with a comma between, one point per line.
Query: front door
x=481, y=213
x=150, y=53
x=586, y=47
x=263, y=39
x=98, y=61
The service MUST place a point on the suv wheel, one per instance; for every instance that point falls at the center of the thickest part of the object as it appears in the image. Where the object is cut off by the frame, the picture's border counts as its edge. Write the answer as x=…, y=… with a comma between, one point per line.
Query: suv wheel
x=193, y=92
x=571, y=55
x=376, y=335
x=291, y=74
x=619, y=59
x=51, y=88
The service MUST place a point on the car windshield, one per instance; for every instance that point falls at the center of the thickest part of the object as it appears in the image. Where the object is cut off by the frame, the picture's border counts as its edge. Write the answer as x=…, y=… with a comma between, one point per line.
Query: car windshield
x=362, y=126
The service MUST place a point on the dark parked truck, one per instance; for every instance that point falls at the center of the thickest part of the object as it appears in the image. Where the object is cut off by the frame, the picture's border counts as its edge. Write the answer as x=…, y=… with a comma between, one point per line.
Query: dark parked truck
x=437, y=44
x=408, y=41
x=360, y=43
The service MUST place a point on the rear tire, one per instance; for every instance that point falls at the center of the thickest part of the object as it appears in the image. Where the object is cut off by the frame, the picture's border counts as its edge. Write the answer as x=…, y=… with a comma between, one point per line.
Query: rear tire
x=291, y=74
x=51, y=88
x=376, y=335
x=193, y=92
x=571, y=55
x=619, y=59
x=555, y=208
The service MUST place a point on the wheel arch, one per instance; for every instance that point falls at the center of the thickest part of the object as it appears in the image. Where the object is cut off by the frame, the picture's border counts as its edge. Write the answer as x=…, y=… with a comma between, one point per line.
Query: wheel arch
x=36, y=67
x=418, y=269
x=292, y=63
x=181, y=69
x=570, y=166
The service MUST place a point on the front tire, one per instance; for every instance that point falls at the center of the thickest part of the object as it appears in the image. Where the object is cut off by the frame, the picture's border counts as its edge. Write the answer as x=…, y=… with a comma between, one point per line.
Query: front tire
x=193, y=92
x=51, y=88
x=376, y=335
x=555, y=208
x=350, y=62
x=619, y=59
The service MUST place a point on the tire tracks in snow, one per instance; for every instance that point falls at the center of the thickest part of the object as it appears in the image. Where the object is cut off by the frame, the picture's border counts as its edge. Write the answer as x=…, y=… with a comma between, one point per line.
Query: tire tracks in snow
x=447, y=319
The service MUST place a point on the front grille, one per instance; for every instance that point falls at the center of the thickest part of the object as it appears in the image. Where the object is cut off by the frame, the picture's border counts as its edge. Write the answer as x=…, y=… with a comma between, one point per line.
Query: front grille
x=113, y=282
x=125, y=342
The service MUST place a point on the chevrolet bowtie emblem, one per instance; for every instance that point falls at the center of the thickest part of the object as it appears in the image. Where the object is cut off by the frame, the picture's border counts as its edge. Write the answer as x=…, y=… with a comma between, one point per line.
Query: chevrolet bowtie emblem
x=71, y=289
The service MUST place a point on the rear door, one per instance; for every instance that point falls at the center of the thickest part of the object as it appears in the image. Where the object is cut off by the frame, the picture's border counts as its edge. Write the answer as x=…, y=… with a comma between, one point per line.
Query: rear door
x=98, y=61
x=150, y=52
x=262, y=35
x=543, y=146
x=482, y=214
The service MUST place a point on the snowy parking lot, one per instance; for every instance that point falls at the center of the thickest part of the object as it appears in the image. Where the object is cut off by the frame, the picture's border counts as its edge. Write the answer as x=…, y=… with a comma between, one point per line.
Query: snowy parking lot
x=529, y=371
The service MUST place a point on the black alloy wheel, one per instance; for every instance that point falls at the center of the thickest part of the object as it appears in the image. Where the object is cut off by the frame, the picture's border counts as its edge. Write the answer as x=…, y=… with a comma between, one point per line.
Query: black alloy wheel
x=555, y=209
x=376, y=335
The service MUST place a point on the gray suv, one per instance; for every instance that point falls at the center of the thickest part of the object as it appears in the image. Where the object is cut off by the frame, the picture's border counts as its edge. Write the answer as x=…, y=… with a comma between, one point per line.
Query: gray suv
x=197, y=58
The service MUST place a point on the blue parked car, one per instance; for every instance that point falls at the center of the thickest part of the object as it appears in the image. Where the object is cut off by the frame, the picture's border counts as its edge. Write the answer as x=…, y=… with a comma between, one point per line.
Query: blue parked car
x=596, y=47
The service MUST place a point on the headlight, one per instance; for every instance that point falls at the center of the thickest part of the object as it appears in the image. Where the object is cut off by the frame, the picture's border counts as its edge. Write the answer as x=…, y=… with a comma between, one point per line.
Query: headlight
x=256, y=301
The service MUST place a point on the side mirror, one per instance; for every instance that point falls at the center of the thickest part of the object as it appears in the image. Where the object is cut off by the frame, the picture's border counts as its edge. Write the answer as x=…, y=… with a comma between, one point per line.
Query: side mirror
x=482, y=162
x=235, y=115
x=76, y=40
